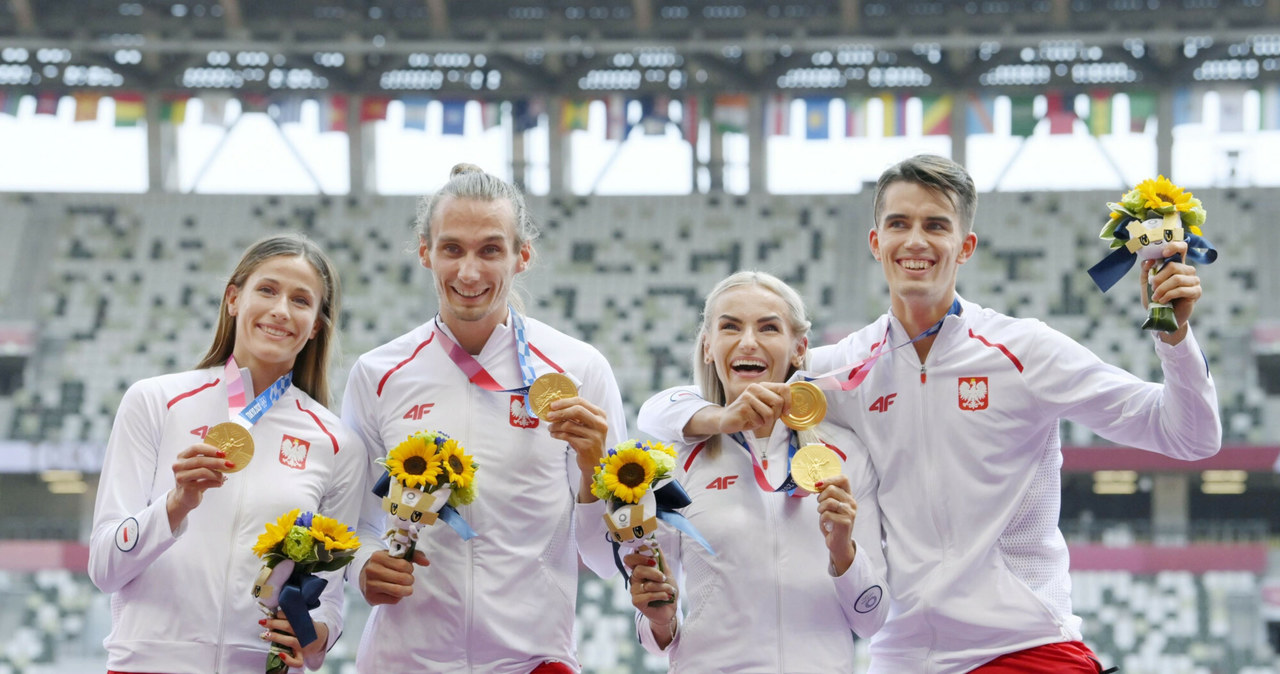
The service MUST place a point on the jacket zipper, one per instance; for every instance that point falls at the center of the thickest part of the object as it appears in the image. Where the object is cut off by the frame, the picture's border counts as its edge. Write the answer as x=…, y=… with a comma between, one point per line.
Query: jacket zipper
x=471, y=550
x=770, y=510
x=226, y=580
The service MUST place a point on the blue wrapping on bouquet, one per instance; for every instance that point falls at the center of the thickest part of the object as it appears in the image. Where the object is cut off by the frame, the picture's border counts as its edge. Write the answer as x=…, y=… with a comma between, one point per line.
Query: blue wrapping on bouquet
x=300, y=594
x=1114, y=266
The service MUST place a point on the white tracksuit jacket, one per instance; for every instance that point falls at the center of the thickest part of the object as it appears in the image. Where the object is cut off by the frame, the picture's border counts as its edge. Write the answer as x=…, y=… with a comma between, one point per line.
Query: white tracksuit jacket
x=181, y=602
x=504, y=601
x=766, y=602
x=968, y=455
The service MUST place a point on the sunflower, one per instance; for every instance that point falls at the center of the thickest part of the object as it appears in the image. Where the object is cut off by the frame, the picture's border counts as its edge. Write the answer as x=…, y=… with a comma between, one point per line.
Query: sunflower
x=460, y=468
x=627, y=474
x=276, y=531
x=415, y=462
x=334, y=534
x=1164, y=197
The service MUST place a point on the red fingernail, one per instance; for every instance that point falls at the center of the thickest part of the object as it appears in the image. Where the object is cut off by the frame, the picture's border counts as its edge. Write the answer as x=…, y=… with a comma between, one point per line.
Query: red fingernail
x=222, y=454
x=229, y=464
x=263, y=622
x=818, y=485
x=651, y=562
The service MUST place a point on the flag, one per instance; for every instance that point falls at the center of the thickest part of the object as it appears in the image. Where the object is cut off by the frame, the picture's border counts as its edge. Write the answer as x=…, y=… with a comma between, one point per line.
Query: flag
x=817, y=117
x=453, y=119
x=855, y=116
x=1142, y=106
x=980, y=115
x=1022, y=117
x=1188, y=105
x=288, y=109
x=47, y=103
x=173, y=108
x=215, y=108
x=525, y=113
x=9, y=101
x=490, y=114
x=691, y=119
x=654, y=114
x=895, y=117
x=615, y=112
x=373, y=108
x=1269, y=99
x=1231, y=109
x=574, y=115
x=86, y=105
x=1100, y=112
x=935, y=119
x=130, y=109
x=333, y=113
x=250, y=102
x=731, y=113
x=1061, y=112
x=778, y=115
x=415, y=112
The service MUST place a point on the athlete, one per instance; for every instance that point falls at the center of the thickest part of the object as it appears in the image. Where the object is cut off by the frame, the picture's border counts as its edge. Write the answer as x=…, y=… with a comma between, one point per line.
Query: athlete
x=503, y=601
x=173, y=530
x=793, y=572
x=960, y=410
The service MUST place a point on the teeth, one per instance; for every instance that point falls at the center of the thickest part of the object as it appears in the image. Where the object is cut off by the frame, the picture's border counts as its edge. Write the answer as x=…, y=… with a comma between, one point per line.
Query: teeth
x=916, y=264
x=748, y=363
x=476, y=294
x=274, y=332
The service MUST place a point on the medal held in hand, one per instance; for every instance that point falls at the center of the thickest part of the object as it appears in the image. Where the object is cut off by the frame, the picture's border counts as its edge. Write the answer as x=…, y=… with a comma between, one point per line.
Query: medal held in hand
x=813, y=464
x=547, y=389
x=808, y=406
x=235, y=441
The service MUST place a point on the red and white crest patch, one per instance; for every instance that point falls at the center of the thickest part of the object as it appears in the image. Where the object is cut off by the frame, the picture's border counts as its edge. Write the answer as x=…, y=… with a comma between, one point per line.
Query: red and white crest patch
x=973, y=393
x=520, y=417
x=293, y=452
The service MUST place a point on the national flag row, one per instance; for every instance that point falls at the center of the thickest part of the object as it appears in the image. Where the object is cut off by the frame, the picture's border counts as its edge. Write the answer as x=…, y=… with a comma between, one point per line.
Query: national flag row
x=729, y=113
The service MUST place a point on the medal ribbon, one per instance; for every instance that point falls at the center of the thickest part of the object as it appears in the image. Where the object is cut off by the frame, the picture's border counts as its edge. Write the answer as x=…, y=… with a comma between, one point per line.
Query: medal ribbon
x=788, y=485
x=248, y=415
x=479, y=376
x=849, y=377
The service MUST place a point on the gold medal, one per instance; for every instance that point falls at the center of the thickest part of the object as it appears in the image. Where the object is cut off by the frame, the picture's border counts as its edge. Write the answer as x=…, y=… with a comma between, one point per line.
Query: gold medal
x=813, y=464
x=808, y=406
x=233, y=439
x=547, y=389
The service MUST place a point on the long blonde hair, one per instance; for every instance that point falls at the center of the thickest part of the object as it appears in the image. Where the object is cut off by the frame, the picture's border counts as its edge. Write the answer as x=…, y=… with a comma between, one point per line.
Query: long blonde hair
x=705, y=376
x=311, y=368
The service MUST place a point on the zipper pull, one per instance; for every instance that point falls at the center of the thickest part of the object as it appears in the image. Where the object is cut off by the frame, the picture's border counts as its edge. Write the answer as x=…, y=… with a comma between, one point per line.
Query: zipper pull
x=922, y=375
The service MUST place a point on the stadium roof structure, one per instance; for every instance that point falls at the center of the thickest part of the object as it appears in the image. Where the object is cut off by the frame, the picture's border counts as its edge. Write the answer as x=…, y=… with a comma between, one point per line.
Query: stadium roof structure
x=509, y=48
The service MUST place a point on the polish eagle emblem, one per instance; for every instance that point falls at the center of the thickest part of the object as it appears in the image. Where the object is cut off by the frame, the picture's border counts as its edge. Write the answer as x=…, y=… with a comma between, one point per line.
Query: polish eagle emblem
x=973, y=393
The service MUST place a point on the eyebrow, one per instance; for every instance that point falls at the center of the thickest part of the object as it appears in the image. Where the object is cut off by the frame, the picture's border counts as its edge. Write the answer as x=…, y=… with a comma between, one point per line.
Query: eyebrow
x=278, y=282
x=763, y=319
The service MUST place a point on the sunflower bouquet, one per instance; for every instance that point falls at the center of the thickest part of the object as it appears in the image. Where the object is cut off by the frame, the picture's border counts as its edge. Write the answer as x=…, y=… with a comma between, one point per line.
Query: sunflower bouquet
x=628, y=478
x=1148, y=216
x=428, y=476
x=294, y=548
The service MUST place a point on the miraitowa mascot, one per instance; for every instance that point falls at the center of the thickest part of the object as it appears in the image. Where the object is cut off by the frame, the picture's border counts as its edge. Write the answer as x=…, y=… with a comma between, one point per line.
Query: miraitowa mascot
x=633, y=526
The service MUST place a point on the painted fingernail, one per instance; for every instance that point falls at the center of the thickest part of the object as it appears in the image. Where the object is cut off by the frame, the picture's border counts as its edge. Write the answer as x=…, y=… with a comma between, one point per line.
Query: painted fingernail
x=230, y=464
x=222, y=454
x=263, y=636
x=263, y=622
x=651, y=562
x=817, y=484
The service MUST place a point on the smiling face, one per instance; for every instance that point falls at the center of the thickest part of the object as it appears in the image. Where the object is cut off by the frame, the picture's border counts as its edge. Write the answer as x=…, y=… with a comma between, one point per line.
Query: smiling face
x=750, y=339
x=921, y=243
x=474, y=257
x=276, y=313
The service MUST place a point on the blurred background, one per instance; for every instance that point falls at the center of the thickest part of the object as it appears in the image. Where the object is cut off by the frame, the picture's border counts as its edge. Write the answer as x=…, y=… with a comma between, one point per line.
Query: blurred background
x=664, y=144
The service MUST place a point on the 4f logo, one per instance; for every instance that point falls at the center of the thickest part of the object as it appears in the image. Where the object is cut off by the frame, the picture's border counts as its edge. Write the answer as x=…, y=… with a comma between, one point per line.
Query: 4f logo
x=200, y=432
x=520, y=417
x=973, y=393
x=882, y=403
x=722, y=482
x=416, y=412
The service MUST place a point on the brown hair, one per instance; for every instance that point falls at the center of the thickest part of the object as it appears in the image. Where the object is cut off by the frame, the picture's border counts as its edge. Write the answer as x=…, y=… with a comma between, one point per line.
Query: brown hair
x=311, y=368
x=937, y=174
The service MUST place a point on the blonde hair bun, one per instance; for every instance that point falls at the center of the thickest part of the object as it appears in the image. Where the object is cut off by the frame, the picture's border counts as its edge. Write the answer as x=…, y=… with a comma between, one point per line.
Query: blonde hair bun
x=464, y=168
